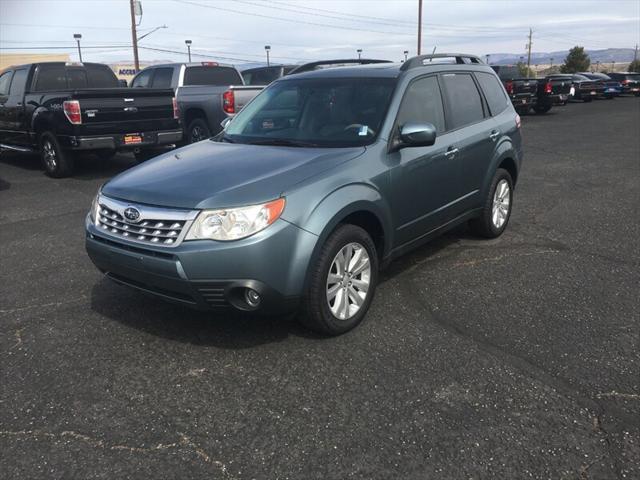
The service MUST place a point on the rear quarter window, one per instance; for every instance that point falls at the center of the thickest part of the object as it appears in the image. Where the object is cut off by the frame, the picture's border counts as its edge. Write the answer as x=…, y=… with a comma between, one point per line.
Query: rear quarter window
x=493, y=92
x=217, y=76
x=463, y=101
x=5, y=81
x=101, y=77
x=51, y=78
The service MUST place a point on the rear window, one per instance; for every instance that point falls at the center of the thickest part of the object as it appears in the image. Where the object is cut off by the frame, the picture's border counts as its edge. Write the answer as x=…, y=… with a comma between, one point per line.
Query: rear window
x=261, y=76
x=61, y=77
x=463, y=100
x=143, y=79
x=493, y=92
x=77, y=78
x=507, y=72
x=219, y=76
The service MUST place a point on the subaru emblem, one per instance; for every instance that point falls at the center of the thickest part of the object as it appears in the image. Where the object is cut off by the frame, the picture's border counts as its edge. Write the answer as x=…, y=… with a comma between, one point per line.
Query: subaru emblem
x=132, y=214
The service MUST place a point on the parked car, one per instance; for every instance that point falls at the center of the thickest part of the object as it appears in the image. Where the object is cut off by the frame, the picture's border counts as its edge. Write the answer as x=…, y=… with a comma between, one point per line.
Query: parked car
x=630, y=82
x=583, y=88
x=59, y=109
x=321, y=180
x=551, y=92
x=265, y=75
x=612, y=88
x=521, y=91
x=206, y=92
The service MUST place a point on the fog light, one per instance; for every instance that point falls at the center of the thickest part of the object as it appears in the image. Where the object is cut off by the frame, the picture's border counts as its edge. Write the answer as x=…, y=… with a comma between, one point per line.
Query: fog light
x=252, y=297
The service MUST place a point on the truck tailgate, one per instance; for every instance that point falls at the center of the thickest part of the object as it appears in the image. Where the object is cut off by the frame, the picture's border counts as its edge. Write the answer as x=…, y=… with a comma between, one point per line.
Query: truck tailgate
x=125, y=110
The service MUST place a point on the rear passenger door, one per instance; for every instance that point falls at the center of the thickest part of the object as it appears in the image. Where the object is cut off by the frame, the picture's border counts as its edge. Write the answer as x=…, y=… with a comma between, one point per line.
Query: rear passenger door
x=467, y=115
x=423, y=179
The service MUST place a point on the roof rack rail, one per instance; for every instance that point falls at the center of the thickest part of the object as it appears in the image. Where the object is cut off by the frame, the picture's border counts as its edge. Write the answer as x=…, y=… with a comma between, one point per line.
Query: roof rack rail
x=307, y=67
x=422, y=60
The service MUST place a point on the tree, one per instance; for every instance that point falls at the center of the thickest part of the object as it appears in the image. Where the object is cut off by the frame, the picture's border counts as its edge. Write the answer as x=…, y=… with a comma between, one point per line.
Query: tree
x=577, y=61
x=524, y=71
x=635, y=66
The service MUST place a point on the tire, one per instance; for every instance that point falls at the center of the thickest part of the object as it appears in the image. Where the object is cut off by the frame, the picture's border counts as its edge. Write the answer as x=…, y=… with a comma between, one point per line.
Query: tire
x=486, y=225
x=198, y=130
x=58, y=163
x=321, y=311
x=542, y=109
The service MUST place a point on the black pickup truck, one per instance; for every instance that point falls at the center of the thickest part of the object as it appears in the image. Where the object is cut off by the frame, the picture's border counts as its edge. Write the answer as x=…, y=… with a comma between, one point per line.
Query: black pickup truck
x=552, y=91
x=521, y=91
x=59, y=109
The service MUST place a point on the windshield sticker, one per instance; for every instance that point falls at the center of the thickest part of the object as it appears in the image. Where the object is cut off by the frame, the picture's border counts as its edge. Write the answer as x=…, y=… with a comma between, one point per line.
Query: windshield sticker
x=363, y=130
x=267, y=124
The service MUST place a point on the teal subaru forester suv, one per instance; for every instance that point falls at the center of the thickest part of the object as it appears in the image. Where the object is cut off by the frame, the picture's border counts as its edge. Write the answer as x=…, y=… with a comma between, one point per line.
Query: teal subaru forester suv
x=316, y=184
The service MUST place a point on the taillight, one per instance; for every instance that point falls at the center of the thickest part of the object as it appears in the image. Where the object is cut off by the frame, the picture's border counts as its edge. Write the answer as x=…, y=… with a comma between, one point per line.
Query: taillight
x=229, y=102
x=625, y=82
x=176, y=110
x=72, y=111
x=548, y=88
x=509, y=86
x=518, y=121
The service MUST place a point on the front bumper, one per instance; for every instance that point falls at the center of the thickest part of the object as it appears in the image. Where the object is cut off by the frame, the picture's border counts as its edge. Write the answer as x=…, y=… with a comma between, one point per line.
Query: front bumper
x=117, y=142
x=209, y=275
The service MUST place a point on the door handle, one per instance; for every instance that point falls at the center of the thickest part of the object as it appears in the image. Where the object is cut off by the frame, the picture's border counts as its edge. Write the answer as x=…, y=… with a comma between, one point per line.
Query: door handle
x=494, y=135
x=451, y=152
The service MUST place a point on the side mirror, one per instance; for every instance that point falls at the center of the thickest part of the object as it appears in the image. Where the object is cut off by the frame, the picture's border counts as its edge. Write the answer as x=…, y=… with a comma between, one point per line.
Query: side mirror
x=414, y=134
x=122, y=83
x=225, y=122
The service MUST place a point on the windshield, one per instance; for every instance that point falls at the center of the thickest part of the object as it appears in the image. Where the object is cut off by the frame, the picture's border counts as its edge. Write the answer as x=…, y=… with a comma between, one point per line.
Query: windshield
x=327, y=112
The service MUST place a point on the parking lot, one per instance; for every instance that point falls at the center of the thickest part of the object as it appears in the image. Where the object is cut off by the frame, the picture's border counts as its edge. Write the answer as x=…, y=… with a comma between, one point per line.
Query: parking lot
x=511, y=358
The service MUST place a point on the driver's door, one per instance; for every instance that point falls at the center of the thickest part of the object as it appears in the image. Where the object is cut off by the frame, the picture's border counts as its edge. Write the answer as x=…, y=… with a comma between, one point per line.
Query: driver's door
x=423, y=179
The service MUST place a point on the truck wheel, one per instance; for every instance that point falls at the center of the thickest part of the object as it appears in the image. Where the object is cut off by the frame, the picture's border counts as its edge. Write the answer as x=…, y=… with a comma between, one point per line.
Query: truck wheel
x=198, y=130
x=58, y=163
x=542, y=108
x=342, y=282
x=497, y=207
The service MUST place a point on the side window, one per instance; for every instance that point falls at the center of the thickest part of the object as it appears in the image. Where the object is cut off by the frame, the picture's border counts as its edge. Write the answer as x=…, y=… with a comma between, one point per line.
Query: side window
x=464, y=104
x=422, y=103
x=493, y=92
x=143, y=80
x=162, y=78
x=51, y=78
x=5, y=81
x=18, y=83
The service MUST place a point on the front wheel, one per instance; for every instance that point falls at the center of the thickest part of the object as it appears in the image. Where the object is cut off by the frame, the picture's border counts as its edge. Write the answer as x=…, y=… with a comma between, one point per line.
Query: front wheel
x=496, y=210
x=58, y=163
x=342, y=282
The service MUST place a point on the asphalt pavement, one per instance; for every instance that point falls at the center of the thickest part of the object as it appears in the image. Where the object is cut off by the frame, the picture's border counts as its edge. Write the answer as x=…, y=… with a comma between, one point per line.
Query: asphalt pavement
x=513, y=358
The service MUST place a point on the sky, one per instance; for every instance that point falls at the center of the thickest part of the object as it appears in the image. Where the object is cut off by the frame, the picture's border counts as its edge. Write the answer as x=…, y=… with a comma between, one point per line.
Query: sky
x=236, y=31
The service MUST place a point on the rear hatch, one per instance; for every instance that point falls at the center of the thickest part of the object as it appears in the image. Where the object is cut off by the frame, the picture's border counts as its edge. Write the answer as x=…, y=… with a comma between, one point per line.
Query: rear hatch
x=125, y=110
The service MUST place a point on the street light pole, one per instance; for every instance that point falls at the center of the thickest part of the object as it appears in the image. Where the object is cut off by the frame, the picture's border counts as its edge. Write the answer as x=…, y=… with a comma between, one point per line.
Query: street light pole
x=419, y=27
x=551, y=67
x=188, y=44
x=359, y=53
x=149, y=33
x=267, y=48
x=406, y=52
x=78, y=36
x=487, y=55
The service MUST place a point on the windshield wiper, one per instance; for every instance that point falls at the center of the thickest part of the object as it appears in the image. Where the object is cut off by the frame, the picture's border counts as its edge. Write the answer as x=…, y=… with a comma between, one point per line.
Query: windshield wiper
x=283, y=142
x=226, y=138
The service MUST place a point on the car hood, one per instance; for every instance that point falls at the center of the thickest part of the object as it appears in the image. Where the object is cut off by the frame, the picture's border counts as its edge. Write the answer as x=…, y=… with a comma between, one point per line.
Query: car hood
x=210, y=174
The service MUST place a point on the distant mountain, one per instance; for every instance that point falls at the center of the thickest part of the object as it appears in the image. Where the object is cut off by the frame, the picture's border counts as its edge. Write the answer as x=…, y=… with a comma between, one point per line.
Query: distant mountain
x=618, y=55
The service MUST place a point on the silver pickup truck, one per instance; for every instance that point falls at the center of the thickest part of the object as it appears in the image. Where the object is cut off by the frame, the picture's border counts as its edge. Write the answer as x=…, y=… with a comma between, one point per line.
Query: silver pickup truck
x=206, y=93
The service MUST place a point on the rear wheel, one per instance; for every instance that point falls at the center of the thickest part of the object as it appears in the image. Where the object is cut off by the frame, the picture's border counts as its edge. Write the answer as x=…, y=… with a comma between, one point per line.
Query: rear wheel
x=198, y=130
x=496, y=210
x=58, y=163
x=342, y=283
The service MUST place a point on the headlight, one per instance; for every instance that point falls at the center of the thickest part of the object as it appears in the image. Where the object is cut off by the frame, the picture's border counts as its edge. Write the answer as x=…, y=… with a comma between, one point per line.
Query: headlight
x=235, y=223
x=95, y=209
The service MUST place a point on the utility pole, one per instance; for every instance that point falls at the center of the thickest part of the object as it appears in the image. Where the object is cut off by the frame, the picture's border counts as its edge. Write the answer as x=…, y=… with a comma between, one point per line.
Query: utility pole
x=529, y=52
x=419, y=27
x=134, y=36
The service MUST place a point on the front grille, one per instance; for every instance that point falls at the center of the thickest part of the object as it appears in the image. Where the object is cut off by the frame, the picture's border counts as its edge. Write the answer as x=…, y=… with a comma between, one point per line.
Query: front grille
x=153, y=231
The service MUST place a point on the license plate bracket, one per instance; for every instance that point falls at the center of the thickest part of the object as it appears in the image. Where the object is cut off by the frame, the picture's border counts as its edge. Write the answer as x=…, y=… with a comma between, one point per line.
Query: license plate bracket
x=132, y=139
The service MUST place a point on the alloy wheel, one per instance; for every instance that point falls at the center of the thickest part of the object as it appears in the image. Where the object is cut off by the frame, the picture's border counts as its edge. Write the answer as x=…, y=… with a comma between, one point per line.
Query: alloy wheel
x=501, y=204
x=50, y=155
x=348, y=281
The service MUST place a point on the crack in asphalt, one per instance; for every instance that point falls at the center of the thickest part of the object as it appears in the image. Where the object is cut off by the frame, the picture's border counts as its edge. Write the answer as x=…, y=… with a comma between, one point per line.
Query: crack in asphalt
x=184, y=443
